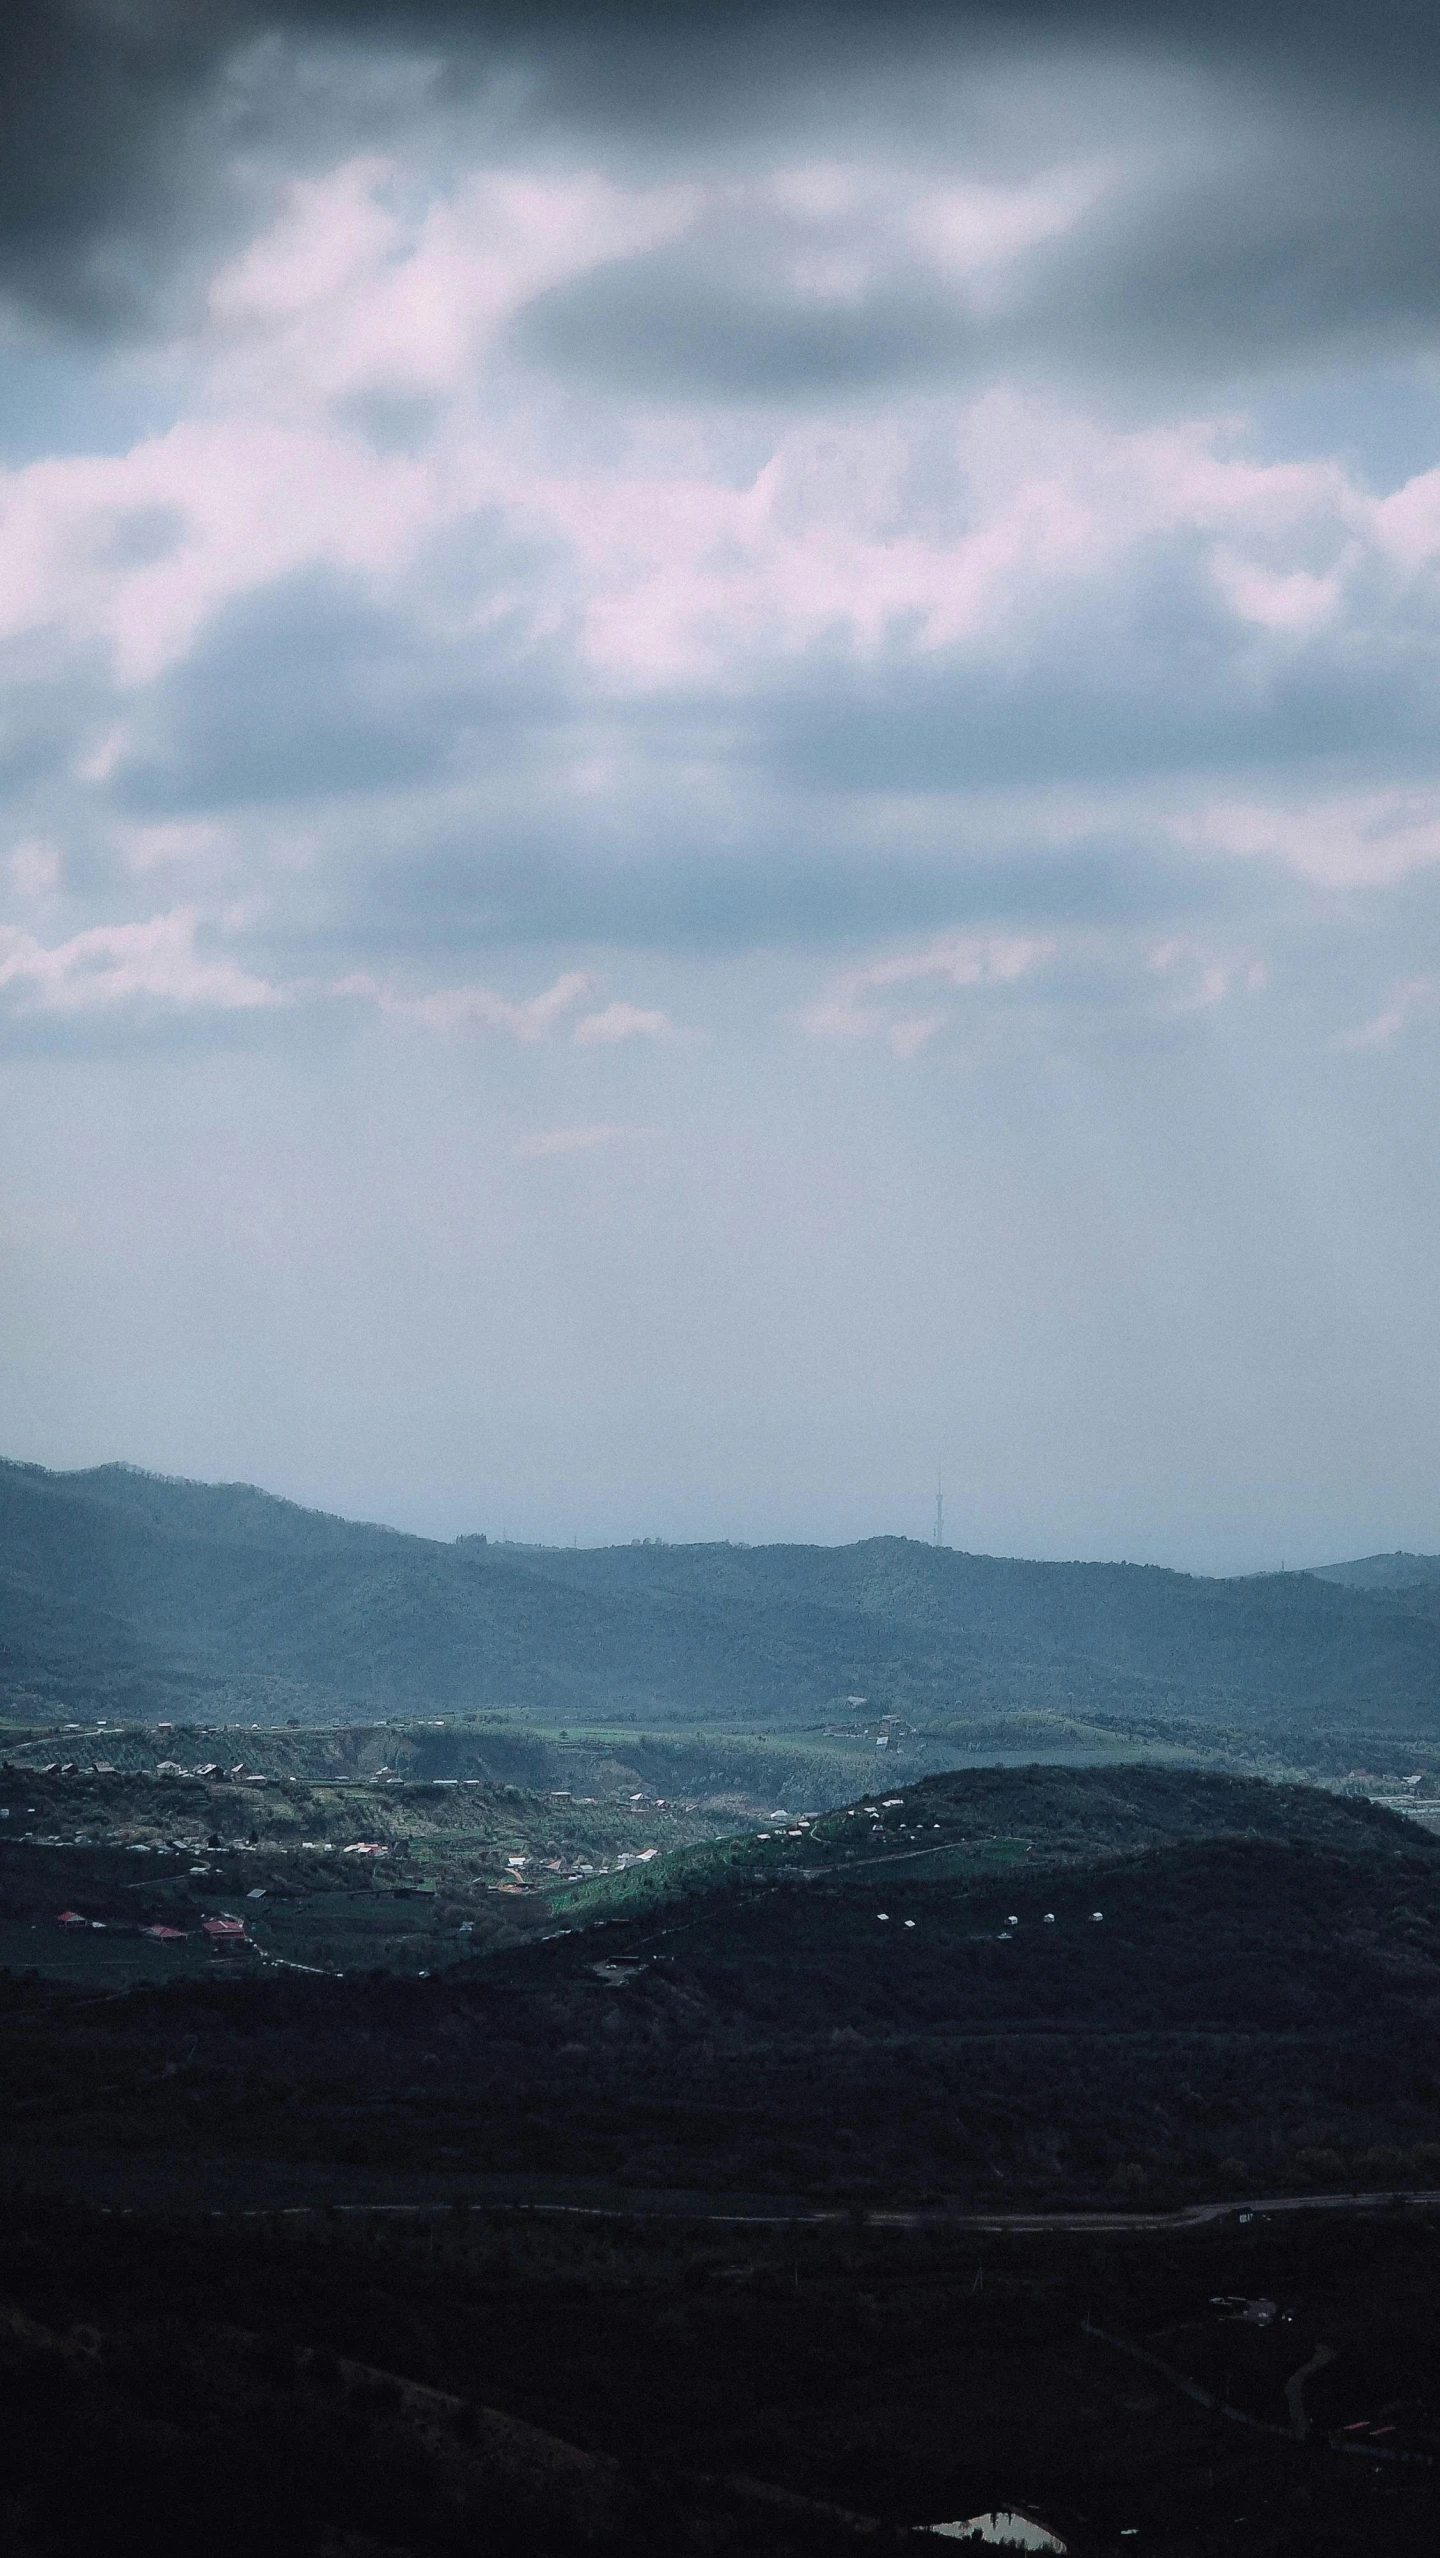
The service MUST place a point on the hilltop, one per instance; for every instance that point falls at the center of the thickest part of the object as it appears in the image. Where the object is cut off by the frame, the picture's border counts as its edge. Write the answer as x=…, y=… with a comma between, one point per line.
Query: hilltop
x=122, y=1592
x=975, y=1821
x=1413, y=1577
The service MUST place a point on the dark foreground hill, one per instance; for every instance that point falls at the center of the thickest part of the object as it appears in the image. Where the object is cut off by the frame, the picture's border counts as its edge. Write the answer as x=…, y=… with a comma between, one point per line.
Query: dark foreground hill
x=1257, y=2001
x=461, y=2384
x=654, y=2235
x=123, y=1592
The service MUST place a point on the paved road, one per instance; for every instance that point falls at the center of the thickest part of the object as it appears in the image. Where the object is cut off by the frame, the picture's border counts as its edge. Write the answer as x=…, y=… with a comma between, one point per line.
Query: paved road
x=177, y=2183
x=1194, y=2216
x=792, y=2215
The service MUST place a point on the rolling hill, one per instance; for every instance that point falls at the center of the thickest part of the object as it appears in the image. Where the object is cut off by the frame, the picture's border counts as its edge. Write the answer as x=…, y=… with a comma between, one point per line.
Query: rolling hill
x=1107, y=1978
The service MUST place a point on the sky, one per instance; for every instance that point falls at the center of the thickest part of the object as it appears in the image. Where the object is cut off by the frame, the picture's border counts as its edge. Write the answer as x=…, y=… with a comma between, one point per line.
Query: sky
x=720, y=766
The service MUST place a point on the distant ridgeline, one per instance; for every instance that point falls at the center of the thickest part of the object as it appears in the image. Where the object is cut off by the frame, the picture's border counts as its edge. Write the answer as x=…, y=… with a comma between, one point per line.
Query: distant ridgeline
x=139, y=1595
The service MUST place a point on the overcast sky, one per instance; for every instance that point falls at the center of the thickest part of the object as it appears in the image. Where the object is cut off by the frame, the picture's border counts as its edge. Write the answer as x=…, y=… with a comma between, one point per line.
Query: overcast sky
x=721, y=766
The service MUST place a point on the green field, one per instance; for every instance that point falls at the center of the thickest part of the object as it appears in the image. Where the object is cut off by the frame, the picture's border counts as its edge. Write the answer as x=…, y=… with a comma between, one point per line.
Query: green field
x=759, y=1860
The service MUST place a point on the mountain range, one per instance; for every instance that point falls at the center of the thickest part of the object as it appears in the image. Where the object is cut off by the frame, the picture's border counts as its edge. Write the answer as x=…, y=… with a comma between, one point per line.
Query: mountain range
x=142, y=1594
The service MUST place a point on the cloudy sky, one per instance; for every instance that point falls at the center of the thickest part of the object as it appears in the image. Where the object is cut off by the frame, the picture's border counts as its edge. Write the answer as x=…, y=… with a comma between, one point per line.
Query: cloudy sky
x=721, y=765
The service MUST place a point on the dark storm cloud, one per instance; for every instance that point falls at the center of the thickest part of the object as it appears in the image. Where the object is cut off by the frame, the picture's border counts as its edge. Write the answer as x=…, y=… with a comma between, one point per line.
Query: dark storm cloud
x=96, y=109
x=119, y=120
x=1278, y=240
x=1251, y=239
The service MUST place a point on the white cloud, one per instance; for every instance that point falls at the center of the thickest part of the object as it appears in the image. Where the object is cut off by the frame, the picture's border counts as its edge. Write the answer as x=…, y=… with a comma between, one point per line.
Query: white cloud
x=913, y=1031
x=887, y=535
x=1345, y=839
x=181, y=845
x=977, y=231
x=849, y=1009
x=906, y=606
x=332, y=233
x=622, y=1021
x=1098, y=972
x=574, y=1141
x=1411, y=996
x=251, y=499
x=456, y=1009
x=968, y=960
x=1198, y=976
x=373, y=280
x=34, y=869
x=112, y=965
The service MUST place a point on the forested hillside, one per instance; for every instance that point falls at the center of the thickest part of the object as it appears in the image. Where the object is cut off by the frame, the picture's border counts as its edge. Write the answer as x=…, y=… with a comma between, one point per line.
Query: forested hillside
x=1414, y=1575
x=126, y=1592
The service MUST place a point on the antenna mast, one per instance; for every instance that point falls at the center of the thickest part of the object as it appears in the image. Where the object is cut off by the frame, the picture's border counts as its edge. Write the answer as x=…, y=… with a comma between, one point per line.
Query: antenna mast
x=939, y=1509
